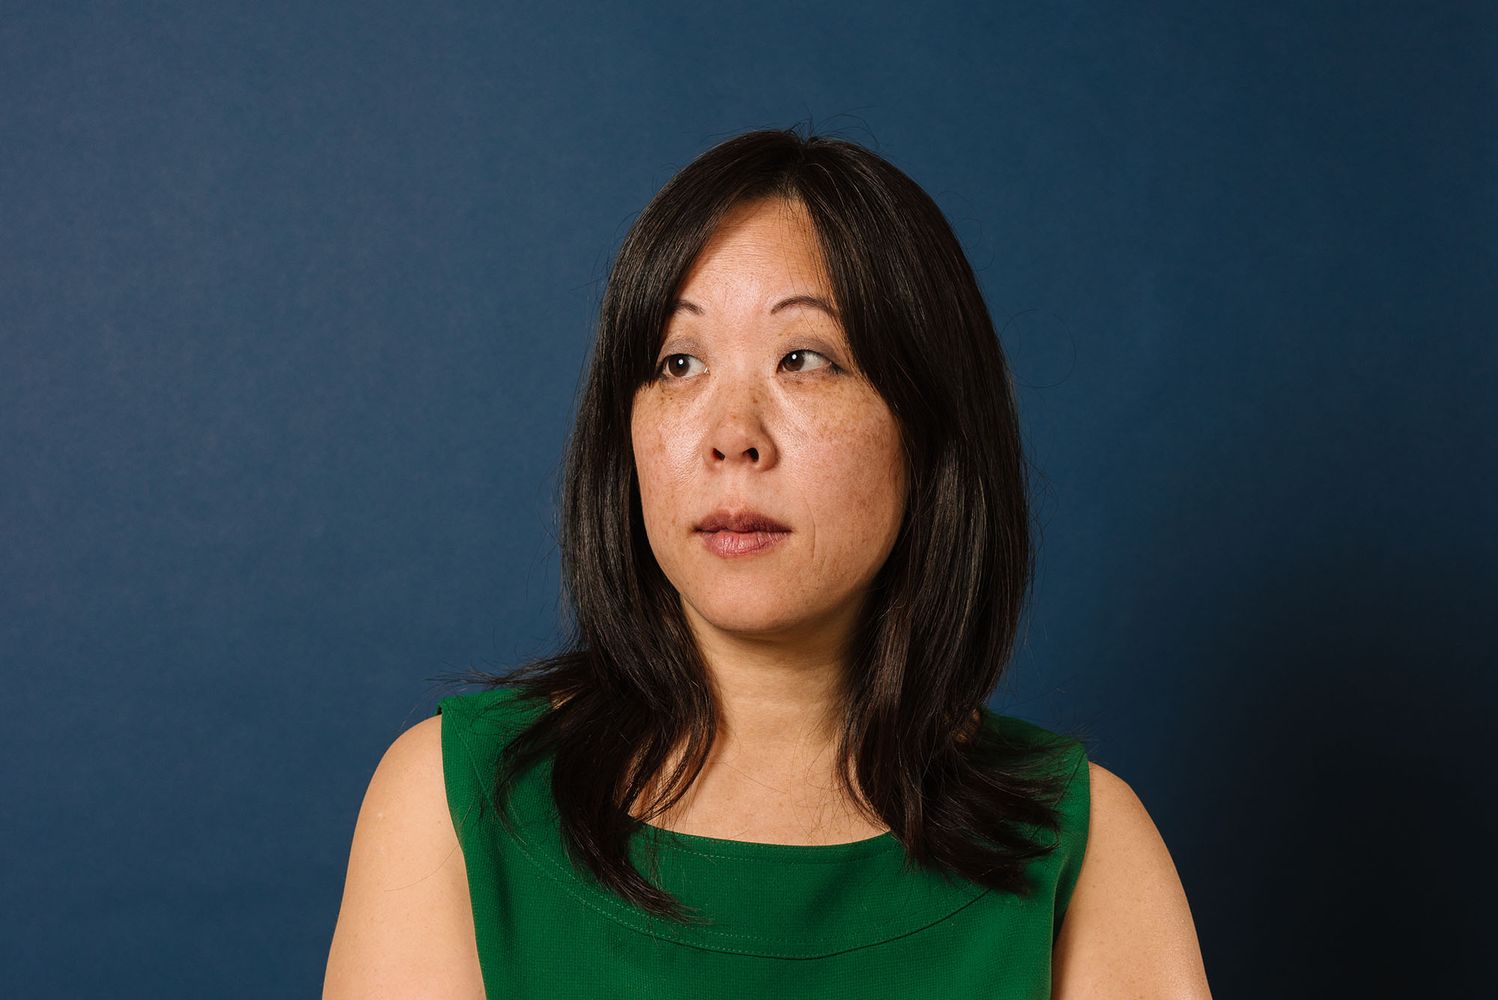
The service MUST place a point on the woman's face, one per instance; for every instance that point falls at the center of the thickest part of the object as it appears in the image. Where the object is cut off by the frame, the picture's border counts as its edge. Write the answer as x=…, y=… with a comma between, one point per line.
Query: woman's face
x=747, y=411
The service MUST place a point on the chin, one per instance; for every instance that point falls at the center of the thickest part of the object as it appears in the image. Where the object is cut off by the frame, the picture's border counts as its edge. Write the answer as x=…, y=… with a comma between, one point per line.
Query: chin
x=733, y=613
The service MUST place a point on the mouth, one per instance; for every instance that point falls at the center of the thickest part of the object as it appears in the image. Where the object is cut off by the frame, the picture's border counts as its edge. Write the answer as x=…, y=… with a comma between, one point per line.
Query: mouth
x=740, y=522
x=733, y=544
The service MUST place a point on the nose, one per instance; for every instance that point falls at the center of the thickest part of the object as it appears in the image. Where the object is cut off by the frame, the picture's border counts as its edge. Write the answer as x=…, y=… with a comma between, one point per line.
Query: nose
x=738, y=434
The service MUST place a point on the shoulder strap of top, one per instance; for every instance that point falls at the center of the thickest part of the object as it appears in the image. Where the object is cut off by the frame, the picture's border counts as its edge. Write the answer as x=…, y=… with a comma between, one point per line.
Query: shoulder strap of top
x=1068, y=760
x=476, y=727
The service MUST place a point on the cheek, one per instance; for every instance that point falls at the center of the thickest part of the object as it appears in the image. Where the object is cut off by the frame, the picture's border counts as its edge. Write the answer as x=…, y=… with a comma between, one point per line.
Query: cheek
x=647, y=455
x=857, y=479
x=655, y=467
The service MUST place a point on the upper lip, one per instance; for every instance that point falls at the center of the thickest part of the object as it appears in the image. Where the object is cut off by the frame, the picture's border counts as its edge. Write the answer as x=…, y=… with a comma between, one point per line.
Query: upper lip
x=739, y=519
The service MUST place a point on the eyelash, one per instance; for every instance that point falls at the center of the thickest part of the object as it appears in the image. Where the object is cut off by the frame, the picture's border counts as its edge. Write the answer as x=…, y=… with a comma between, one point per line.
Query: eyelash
x=832, y=367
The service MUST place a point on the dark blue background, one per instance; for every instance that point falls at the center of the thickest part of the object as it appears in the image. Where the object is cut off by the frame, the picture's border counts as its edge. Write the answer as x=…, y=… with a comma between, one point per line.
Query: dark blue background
x=294, y=302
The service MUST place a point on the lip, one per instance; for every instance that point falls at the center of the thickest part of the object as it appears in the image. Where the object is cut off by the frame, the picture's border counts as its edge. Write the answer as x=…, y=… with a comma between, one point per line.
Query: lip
x=740, y=520
x=737, y=544
x=733, y=532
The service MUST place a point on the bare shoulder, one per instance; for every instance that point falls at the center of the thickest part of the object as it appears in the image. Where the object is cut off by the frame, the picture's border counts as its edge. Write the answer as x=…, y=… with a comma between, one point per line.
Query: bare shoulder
x=405, y=926
x=1128, y=930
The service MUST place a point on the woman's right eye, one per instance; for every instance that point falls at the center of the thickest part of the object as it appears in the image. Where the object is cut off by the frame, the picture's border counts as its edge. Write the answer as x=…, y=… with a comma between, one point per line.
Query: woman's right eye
x=670, y=363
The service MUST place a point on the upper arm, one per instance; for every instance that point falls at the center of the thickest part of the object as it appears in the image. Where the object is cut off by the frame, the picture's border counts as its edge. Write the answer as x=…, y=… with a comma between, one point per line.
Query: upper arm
x=1127, y=931
x=405, y=927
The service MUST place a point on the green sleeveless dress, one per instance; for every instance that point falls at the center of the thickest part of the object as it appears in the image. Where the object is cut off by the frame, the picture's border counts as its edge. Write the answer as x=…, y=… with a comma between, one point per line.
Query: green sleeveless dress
x=837, y=921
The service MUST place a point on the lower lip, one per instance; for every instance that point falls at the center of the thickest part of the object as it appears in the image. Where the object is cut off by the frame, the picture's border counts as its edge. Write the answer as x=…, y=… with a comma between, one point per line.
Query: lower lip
x=732, y=544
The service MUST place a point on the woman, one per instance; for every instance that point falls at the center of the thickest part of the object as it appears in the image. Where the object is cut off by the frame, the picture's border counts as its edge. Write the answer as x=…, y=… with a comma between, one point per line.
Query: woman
x=795, y=535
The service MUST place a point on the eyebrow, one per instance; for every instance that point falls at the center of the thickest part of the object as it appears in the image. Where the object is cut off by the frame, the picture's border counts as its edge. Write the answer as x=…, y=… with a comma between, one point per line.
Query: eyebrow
x=813, y=301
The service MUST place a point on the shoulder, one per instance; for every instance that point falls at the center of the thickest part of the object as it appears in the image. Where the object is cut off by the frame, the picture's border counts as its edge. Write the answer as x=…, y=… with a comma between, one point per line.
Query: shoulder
x=406, y=794
x=405, y=923
x=407, y=786
x=419, y=747
x=1128, y=929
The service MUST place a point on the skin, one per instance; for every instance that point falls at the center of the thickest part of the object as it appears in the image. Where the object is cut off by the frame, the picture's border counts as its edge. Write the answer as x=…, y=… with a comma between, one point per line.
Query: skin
x=1128, y=933
x=405, y=927
x=766, y=409
x=818, y=451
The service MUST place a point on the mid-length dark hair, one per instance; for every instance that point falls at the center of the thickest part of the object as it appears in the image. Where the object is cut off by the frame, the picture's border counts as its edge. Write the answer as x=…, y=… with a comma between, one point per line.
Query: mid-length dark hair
x=938, y=628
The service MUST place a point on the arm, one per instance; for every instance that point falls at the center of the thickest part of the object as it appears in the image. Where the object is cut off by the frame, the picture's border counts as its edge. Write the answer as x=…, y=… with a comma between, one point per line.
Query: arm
x=1127, y=932
x=405, y=928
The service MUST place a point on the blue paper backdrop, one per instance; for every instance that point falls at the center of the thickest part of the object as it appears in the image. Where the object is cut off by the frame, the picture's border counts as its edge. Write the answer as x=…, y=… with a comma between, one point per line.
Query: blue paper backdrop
x=294, y=301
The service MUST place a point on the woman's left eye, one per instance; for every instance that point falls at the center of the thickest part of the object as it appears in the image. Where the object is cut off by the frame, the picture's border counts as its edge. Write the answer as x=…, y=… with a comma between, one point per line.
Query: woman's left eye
x=801, y=354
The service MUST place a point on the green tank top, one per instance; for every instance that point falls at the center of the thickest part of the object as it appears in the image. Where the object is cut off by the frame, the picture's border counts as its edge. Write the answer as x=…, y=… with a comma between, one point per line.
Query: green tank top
x=787, y=921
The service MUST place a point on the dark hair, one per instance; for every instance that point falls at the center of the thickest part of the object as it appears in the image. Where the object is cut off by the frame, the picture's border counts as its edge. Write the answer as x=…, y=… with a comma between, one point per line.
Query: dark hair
x=939, y=626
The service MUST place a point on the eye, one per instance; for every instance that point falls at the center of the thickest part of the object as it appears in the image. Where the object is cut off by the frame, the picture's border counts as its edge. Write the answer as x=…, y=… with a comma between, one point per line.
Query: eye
x=801, y=355
x=667, y=363
x=671, y=364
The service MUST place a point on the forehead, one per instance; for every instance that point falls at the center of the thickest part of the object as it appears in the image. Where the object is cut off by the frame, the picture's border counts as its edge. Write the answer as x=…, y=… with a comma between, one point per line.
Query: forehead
x=763, y=249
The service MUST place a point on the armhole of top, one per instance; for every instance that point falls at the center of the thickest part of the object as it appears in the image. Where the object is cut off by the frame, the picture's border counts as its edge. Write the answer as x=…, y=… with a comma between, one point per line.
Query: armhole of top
x=460, y=774
x=475, y=726
x=1076, y=808
x=1066, y=759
